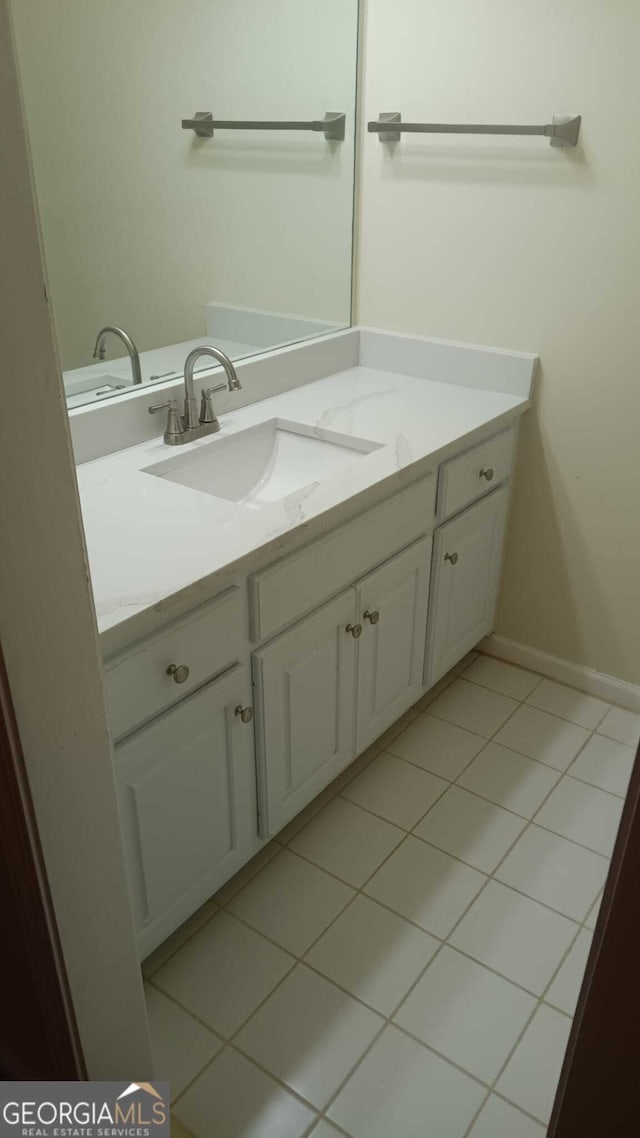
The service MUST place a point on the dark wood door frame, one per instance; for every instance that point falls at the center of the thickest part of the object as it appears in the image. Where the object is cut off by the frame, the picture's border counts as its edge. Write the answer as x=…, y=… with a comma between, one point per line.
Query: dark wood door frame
x=38, y=1036
x=599, y=1090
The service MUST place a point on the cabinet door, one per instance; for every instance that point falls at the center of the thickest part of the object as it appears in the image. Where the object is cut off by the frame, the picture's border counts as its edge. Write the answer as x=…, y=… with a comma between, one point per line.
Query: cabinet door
x=188, y=804
x=393, y=603
x=305, y=692
x=467, y=555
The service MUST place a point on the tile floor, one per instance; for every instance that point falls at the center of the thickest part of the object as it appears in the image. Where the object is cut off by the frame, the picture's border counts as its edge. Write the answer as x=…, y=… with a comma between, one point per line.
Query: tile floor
x=405, y=958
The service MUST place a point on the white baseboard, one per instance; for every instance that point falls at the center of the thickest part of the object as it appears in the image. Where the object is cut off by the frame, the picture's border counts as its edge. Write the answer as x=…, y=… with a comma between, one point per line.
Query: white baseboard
x=587, y=680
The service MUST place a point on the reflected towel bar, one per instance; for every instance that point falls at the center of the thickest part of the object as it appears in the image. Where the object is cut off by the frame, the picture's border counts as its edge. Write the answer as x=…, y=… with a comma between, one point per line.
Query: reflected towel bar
x=203, y=125
x=563, y=131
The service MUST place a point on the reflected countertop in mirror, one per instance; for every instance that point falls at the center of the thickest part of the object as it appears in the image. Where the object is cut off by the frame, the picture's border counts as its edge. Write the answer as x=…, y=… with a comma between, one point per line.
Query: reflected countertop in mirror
x=241, y=238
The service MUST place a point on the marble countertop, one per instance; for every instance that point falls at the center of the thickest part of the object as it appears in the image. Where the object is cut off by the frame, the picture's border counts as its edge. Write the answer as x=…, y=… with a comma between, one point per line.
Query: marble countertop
x=150, y=539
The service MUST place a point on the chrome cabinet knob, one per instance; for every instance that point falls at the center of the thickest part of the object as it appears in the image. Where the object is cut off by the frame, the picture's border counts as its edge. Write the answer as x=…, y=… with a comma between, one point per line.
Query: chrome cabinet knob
x=488, y=474
x=452, y=557
x=179, y=672
x=244, y=713
x=372, y=617
x=355, y=630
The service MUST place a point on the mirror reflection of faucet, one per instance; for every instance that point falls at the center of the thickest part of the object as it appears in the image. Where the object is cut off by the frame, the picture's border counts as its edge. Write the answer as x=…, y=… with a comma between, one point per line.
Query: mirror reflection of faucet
x=99, y=350
x=193, y=424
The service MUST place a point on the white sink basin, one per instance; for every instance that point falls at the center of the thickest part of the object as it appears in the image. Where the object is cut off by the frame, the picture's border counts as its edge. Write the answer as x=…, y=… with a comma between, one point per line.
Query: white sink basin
x=264, y=463
x=80, y=391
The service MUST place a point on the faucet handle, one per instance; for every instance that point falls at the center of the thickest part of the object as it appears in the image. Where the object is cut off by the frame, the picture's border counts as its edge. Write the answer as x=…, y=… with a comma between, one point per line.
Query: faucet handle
x=207, y=413
x=175, y=426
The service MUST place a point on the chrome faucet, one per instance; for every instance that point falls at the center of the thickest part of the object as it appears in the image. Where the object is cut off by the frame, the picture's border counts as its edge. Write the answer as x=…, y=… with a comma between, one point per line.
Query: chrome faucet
x=191, y=424
x=134, y=355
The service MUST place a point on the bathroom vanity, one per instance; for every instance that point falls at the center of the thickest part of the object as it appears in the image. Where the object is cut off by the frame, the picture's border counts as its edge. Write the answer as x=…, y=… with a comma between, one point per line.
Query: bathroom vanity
x=272, y=598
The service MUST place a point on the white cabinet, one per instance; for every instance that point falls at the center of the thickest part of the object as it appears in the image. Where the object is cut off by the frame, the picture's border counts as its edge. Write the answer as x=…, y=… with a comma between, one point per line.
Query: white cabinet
x=351, y=650
x=305, y=690
x=467, y=555
x=331, y=684
x=292, y=587
x=188, y=804
x=392, y=608
x=163, y=669
x=470, y=475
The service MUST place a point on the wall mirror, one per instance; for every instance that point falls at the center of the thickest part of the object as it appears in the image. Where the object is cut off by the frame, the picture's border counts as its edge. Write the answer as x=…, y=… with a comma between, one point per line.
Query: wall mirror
x=194, y=168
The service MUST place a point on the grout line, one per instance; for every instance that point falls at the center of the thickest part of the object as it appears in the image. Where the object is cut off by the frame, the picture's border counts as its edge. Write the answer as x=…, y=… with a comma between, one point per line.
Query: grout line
x=338, y=1129
x=229, y=1046
x=486, y=740
x=612, y=738
x=594, y=785
x=452, y=676
x=581, y=845
x=542, y=679
x=505, y=1064
x=385, y=818
x=527, y=1113
x=539, y=1002
x=539, y=997
x=394, y=912
x=321, y=1111
x=506, y=884
x=388, y=1020
x=420, y=1042
x=497, y=691
x=427, y=770
x=585, y=695
x=551, y=679
x=275, y=841
x=455, y=782
x=188, y=1086
x=524, y=703
x=343, y=880
x=146, y=976
x=609, y=793
x=361, y=890
x=450, y=783
x=561, y=774
x=503, y=723
x=445, y=941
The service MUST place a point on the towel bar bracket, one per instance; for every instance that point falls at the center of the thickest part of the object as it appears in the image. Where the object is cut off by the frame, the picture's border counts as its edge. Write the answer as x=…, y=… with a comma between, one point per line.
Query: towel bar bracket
x=565, y=130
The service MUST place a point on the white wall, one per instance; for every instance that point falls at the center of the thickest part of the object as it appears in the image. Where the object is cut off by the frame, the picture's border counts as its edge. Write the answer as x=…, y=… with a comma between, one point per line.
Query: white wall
x=511, y=243
x=49, y=639
x=143, y=223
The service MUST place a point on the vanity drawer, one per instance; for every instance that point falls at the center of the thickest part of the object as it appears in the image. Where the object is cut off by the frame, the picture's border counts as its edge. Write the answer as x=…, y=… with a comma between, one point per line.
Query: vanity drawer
x=138, y=685
x=290, y=588
x=470, y=475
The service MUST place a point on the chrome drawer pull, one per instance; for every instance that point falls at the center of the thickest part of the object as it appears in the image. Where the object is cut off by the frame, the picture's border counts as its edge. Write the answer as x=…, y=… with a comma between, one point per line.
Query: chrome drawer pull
x=372, y=617
x=488, y=474
x=452, y=557
x=244, y=713
x=180, y=672
x=355, y=630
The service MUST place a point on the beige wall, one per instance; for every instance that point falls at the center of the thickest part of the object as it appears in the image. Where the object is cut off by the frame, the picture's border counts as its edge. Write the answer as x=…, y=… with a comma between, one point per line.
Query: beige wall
x=143, y=224
x=509, y=242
